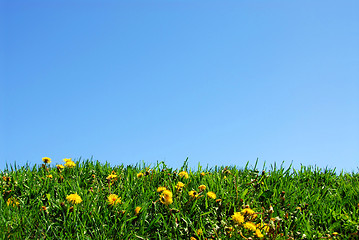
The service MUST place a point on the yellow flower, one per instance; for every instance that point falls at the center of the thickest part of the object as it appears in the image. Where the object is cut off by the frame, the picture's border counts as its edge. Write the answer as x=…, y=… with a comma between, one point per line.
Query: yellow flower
x=202, y=188
x=193, y=194
x=12, y=201
x=183, y=174
x=67, y=160
x=211, y=195
x=139, y=175
x=74, y=198
x=60, y=166
x=249, y=212
x=259, y=234
x=112, y=176
x=113, y=199
x=137, y=210
x=161, y=189
x=203, y=174
x=49, y=176
x=179, y=186
x=238, y=218
x=46, y=160
x=193, y=238
x=251, y=226
x=70, y=164
x=166, y=197
x=199, y=232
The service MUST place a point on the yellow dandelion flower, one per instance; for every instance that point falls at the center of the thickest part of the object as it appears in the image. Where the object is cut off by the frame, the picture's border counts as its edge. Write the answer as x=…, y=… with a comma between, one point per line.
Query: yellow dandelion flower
x=193, y=238
x=137, y=210
x=249, y=225
x=202, y=188
x=199, y=232
x=139, y=175
x=161, y=189
x=211, y=195
x=179, y=186
x=70, y=164
x=183, y=174
x=258, y=233
x=74, y=198
x=238, y=218
x=247, y=212
x=46, y=160
x=193, y=194
x=113, y=199
x=167, y=193
x=67, y=160
x=166, y=197
x=12, y=201
x=49, y=176
x=112, y=176
x=60, y=166
x=203, y=174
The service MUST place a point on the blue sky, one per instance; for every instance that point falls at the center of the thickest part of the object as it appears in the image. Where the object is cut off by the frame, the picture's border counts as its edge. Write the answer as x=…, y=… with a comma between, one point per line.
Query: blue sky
x=219, y=82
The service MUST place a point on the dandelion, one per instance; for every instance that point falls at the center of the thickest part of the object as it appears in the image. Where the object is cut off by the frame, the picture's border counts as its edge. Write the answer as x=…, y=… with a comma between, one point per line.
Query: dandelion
x=60, y=166
x=179, y=186
x=238, y=218
x=49, y=176
x=203, y=174
x=264, y=226
x=161, y=189
x=12, y=201
x=74, y=198
x=193, y=194
x=211, y=195
x=166, y=197
x=67, y=160
x=113, y=199
x=46, y=160
x=183, y=174
x=202, y=188
x=137, y=210
x=199, y=232
x=70, y=164
x=112, y=176
x=249, y=212
x=251, y=226
x=259, y=234
x=193, y=238
x=139, y=175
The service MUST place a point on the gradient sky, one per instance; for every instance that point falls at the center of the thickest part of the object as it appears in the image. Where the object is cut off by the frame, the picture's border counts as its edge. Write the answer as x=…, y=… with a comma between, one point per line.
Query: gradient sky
x=219, y=82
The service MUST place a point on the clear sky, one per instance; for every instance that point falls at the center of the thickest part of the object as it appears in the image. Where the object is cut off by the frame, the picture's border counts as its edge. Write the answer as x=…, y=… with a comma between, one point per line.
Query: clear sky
x=219, y=82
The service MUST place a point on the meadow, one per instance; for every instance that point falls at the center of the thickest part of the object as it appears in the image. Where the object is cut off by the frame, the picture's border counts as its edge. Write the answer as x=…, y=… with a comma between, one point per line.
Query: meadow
x=86, y=199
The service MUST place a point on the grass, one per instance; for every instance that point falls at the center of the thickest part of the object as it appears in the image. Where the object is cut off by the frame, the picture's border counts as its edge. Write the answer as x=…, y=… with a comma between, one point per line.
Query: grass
x=277, y=203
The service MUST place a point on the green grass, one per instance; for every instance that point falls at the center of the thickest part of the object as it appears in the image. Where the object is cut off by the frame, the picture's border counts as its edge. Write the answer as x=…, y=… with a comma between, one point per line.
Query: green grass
x=292, y=203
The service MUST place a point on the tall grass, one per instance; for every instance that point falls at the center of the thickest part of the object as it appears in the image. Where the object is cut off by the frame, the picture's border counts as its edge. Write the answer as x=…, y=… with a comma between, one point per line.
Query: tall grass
x=277, y=203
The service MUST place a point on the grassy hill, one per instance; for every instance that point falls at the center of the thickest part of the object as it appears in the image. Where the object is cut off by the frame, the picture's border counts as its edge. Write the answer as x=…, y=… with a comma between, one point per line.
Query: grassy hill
x=90, y=200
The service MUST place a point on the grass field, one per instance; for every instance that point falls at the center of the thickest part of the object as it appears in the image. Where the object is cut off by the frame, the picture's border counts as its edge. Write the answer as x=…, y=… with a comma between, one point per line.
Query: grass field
x=90, y=200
